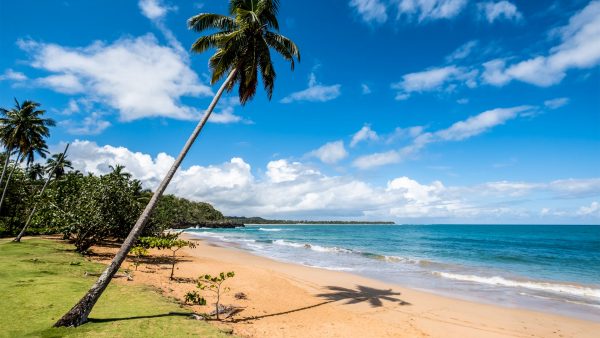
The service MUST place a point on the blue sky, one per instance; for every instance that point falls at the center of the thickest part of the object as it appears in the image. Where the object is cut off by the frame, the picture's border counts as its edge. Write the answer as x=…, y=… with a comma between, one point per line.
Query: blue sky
x=417, y=111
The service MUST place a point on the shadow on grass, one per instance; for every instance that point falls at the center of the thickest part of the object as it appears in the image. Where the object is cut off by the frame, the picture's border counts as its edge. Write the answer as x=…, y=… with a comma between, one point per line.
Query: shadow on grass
x=170, y=314
x=374, y=297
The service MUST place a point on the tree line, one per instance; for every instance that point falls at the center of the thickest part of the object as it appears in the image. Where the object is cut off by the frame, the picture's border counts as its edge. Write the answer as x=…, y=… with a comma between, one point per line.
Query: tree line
x=52, y=198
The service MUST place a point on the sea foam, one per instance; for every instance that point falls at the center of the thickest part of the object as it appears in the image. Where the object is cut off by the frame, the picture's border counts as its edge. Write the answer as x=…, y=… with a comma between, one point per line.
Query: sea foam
x=570, y=289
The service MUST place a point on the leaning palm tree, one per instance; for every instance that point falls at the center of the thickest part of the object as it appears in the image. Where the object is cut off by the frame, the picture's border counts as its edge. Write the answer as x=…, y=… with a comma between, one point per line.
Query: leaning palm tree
x=23, y=129
x=242, y=42
x=58, y=162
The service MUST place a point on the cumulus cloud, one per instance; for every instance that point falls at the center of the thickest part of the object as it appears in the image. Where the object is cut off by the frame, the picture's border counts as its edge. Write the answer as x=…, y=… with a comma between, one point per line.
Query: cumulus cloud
x=371, y=11
x=430, y=9
x=292, y=189
x=315, y=92
x=433, y=79
x=458, y=131
x=499, y=10
x=330, y=153
x=136, y=76
x=364, y=134
x=579, y=49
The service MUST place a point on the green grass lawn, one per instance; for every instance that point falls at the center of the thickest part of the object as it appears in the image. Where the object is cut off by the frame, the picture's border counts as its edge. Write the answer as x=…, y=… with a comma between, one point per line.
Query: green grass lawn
x=41, y=279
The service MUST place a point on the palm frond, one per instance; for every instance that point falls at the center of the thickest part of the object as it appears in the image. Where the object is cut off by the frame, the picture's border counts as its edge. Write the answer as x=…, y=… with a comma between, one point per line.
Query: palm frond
x=204, y=21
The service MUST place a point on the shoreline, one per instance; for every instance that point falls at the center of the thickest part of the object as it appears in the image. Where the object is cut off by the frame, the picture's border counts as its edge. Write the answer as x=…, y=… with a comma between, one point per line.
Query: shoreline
x=295, y=299
x=489, y=285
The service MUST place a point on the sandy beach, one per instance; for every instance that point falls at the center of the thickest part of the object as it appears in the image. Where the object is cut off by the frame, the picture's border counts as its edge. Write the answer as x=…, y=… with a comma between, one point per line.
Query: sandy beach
x=288, y=300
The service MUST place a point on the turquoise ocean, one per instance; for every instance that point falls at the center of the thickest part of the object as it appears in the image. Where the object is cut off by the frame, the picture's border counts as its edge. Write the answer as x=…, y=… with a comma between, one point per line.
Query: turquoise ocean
x=551, y=268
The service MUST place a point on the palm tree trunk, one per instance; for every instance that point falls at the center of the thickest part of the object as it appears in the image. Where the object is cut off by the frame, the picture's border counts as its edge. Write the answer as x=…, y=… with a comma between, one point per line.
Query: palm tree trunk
x=79, y=313
x=5, y=164
x=8, y=180
x=58, y=162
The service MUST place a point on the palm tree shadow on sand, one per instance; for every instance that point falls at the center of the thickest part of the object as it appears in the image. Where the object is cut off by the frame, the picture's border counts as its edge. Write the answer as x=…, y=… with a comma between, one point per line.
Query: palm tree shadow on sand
x=362, y=294
x=374, y=297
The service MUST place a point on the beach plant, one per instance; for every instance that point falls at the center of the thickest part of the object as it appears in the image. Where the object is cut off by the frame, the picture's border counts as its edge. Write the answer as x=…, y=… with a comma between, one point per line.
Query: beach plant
x=194, y=298
x=167, y=242
x=242, y=41
x=214, y=284
x=138, y=253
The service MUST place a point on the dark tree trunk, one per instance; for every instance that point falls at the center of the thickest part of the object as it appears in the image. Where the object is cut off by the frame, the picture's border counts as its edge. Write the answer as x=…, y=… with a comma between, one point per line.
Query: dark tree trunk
x=173, y=264
x=79, y=313
x=5, y=165
x=8, y=180
x=18, y=238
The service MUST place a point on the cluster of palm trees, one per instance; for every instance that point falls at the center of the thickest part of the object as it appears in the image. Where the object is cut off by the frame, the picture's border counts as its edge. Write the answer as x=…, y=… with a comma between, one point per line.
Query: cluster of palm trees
x=23, y=133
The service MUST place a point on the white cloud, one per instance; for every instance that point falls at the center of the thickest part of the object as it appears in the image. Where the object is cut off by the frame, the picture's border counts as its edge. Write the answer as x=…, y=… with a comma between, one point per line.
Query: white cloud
x=478, y=124
x=12, y=75
x=72, y=107
x=63, y=83
x=154, y=9
x=377, y=159
x=294, y=190
x=315, y=92
x=365, y=89
x=579, y=49
x=136, y=76
x=592, y=210
x=430, y=9
x=463, y=51
x=364, y=134
x=459, y=131
x=499, y=10
x=225, y=116
x=556, y=103
x=370, y=10
x=433, y=79
x=92, y=124
x=330, y=153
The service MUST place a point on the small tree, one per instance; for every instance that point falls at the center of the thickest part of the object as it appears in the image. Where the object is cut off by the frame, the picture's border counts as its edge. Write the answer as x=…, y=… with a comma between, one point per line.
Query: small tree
x=169, y=242
x=138, y=252
x=213, y=284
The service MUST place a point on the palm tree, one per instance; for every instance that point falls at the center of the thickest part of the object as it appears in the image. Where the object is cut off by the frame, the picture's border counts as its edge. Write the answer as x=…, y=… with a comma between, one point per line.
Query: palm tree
x=36, y=172
x=23, y=129
x=242, y=42
x=118, y=170
x=59, y=164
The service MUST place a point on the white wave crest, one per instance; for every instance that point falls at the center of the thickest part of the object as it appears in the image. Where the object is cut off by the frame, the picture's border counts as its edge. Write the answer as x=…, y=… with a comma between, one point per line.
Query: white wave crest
x=270, y=229
x=313, y=247
x=575, y=290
